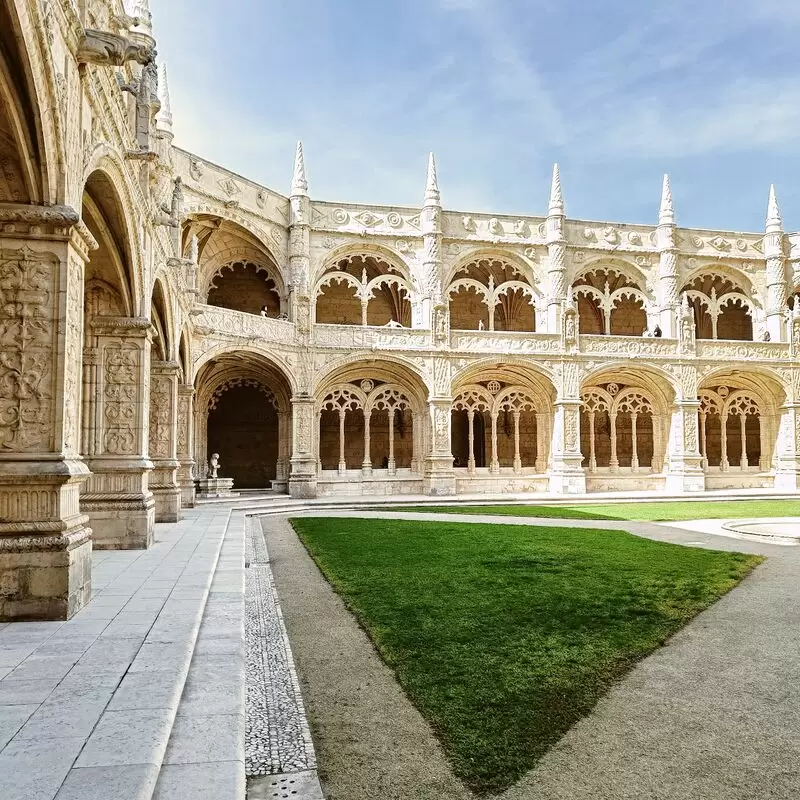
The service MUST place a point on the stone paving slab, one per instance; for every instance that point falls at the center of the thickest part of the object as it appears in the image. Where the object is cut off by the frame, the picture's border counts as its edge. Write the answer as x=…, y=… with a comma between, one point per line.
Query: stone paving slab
x=205, y=753
x=74, y=691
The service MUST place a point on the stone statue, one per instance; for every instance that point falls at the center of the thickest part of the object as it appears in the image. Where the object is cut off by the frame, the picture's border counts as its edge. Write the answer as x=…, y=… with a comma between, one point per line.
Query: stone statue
x=111, y=50
x=213, y=466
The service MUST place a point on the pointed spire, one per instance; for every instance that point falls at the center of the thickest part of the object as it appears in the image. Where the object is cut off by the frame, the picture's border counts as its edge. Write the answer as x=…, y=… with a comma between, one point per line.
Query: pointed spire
x=666, y=212
x=432, y=195
x=299, y=182
x=556, y=195
x=774, y=221
x=164, y=117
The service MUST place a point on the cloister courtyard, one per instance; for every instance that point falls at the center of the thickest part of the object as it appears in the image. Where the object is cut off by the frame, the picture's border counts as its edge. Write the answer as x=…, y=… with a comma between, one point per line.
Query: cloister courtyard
x=310, y=498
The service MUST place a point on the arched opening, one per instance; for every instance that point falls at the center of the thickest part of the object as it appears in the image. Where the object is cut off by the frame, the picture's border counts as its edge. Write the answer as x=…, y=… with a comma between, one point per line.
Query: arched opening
x=245, y=286
x=491, y=294
x=243, y=414
x=501, y=422
x=610, y=303
x=363, y=290
x=22, y=169
x=721, y=308
x=624, y=424
x=235, y=269
x=370, y=427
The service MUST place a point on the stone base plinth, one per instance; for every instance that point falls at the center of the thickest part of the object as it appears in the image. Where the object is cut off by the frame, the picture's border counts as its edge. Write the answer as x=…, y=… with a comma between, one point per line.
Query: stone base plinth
x=216, y=487
x=45, y=544
x=568, y=482
x=303, y=486
x=168, y=504
x=787, y=481
x=45, y=576
x=685, y=482
x=439, y=479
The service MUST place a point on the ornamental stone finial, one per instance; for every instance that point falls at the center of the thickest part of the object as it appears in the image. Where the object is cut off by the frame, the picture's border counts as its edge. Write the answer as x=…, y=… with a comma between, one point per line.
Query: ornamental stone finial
x=666, y=211
x=774, y=221
x=432, y=194
x=556, y=207
x=299, y=181
x=164, y=117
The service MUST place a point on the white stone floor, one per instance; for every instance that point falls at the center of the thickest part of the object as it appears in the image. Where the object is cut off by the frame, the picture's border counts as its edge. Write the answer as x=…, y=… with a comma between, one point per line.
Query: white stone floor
x=112, y=704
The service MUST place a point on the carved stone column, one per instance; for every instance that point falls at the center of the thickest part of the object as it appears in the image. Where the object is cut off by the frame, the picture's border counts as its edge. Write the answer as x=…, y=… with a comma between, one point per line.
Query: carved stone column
x=163, y=440
x=557, y=255
x=303, y=479
x=667, y=290
x=117, y=497
x=439, y=477
x=787, y=472
x=566, y=473
x=45, y=541
x=774, y=253
x=186, y=445
x=685, y=461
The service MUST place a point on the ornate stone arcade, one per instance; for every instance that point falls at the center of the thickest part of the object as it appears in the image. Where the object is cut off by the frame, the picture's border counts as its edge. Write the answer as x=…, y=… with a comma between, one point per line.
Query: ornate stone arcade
x=155, y=307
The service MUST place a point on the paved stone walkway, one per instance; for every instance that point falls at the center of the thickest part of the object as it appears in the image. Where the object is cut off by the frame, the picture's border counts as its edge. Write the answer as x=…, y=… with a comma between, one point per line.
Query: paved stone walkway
x=91, y=708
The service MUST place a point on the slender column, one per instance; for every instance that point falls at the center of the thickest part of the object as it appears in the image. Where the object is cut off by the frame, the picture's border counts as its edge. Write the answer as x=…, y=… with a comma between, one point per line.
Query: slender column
x=491, y=317
x=592, y=449
x=390, y=461
x=556, y=254
x=471, y=459
x=634, y=444
x=723, y=432
x=494, y=463
x=366, y=464
x=775, y=277
x=763, y=438
x=613, y=462
x=318, y=430
x=714, y=317
x=439, y=478
x=517, y=459
x=743, y=432
x=364, y=309
x=342, y=462
x=667, y=290
x=703, y=445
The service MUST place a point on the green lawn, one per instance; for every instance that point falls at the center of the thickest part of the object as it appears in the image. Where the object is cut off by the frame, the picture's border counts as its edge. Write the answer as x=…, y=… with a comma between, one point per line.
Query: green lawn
x=504, y=636
x=651, y=512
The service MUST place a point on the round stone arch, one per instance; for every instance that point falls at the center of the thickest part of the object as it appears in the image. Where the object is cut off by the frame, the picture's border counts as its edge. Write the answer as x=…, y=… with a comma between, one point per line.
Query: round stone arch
x=28, y=95
x=509, y=298
x=108, y=204
x=760, y=432
x=368, y=250
x=616, y=310
x=281, y=366
x=237, y=268
x=372, y=415
x=513, y=425
x=626, y=413
x=243, y=413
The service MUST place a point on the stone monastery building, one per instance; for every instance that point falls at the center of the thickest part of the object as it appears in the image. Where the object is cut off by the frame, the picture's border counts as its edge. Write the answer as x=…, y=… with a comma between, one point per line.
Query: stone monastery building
x=156, y=308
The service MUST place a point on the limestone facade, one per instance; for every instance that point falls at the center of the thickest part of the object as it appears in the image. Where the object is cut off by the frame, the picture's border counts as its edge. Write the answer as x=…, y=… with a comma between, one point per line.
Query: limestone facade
x=156, y=308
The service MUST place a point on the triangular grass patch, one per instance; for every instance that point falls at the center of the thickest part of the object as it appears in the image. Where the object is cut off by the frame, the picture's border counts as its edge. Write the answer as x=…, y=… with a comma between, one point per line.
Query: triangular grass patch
x=504, y=636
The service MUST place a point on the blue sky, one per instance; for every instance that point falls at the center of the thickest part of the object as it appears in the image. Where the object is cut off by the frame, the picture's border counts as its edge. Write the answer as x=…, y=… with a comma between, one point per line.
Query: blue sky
x=618, y=92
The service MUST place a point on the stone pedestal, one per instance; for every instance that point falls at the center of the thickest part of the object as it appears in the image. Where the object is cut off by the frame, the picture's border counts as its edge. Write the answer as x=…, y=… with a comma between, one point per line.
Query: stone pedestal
x=787, y=472
x=216, y=487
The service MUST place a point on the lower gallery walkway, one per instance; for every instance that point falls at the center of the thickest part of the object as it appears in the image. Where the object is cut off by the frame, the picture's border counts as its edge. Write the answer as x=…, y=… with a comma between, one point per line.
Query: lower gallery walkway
x=143, y=693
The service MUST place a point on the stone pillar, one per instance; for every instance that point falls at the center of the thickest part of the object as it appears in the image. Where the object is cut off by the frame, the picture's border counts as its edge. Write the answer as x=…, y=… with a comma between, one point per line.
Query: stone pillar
x=116, y=497
x=433, y=305
x=186, y=445
x=163, y=440
x=775, y=301
x=300, y=247
x=684, y=459
x=557, y=255
x=566, y=473
x=439, y=478
x=303, y=478
x=45, y=541
x=667, y=290
x=787, y=472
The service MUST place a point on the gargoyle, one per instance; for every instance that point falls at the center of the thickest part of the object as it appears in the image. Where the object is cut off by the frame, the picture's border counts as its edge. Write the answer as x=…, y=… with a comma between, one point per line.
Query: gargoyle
x=111, y=50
